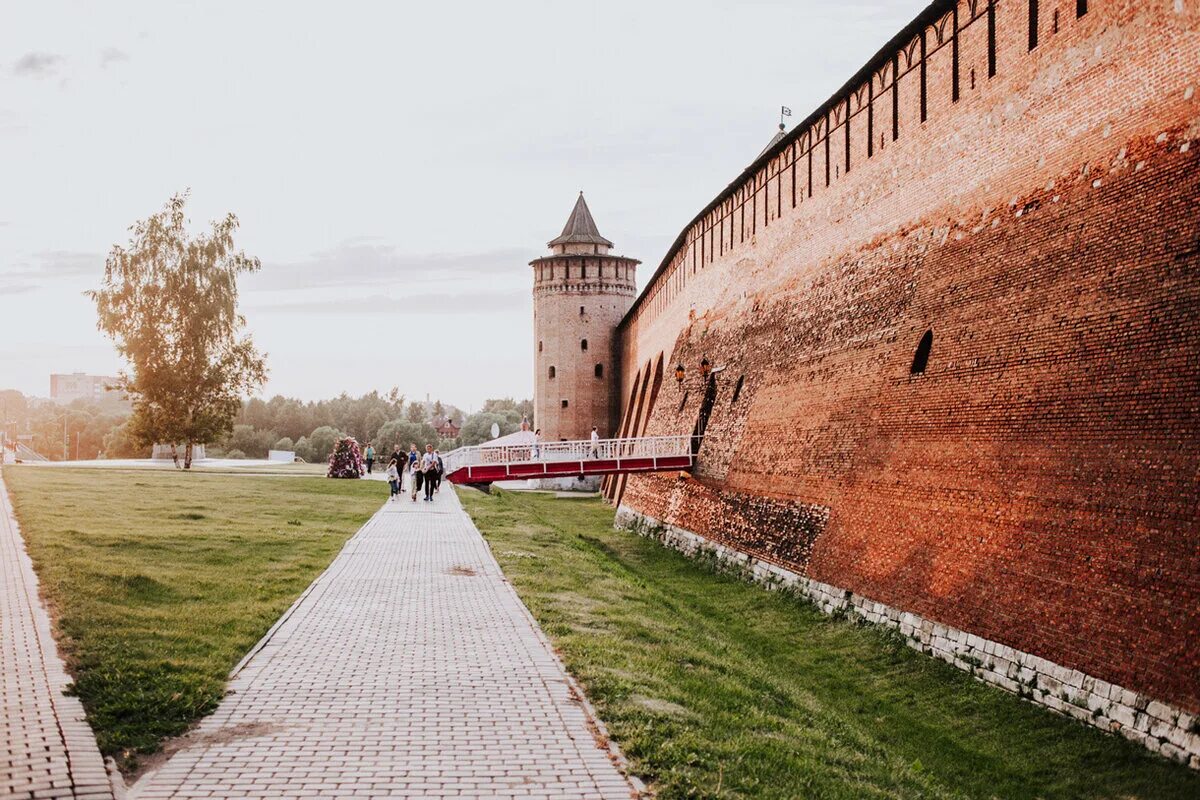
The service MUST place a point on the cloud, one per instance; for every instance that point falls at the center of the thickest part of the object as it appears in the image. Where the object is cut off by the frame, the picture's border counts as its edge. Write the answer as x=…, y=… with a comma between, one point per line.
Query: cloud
x=111, y=55
x=369, y=262
x=37, y=65
x=48, y=266
x=434, y=303
x=64, y=264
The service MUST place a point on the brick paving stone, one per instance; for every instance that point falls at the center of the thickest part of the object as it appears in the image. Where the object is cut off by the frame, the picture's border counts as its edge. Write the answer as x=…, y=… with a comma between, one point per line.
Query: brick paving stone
x=410, y=668
x=46, y=746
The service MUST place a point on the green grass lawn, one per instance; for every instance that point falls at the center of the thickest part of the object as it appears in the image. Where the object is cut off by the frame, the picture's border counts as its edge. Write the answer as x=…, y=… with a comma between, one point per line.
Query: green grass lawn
x=280, y=468
x=716, y=688
x=161, y=581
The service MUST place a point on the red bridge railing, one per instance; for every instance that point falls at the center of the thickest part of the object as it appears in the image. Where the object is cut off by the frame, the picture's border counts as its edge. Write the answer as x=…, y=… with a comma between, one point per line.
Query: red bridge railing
x=486, y=464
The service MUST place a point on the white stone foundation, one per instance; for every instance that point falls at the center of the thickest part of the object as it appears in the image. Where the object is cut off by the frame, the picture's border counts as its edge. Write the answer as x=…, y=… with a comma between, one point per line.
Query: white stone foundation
x=1163, y=728
x=588, y=483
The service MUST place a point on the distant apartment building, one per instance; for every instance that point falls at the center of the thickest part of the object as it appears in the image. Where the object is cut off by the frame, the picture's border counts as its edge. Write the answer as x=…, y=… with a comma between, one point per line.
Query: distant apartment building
x=66, y=388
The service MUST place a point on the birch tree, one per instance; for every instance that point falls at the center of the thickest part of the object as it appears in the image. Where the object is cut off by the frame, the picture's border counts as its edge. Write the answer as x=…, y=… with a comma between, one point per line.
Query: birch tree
x=169, y=303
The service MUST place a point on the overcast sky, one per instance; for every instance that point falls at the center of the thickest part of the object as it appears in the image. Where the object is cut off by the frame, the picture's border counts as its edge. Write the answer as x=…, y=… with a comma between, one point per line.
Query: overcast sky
x=394, y=165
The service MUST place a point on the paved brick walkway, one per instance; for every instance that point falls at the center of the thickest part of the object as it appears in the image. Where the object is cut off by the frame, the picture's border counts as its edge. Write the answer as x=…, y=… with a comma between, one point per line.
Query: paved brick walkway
x=409, y=669
x=46, y=746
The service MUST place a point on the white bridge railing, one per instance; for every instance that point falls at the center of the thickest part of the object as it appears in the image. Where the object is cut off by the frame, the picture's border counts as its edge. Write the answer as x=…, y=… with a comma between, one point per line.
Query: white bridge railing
x=581, y=450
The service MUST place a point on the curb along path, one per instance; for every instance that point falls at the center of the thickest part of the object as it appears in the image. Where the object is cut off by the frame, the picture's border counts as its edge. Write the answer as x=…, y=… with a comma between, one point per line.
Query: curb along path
x=46, y=747
x=410, y=668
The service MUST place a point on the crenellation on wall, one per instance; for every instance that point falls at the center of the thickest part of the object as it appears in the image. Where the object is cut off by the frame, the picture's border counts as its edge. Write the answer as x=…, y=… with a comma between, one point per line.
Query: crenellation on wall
x=1032, y=488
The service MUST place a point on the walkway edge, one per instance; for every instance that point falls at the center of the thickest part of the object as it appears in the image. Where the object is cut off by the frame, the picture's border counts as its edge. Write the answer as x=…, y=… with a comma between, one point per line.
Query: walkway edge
x=89, y=776
x=270, y=634
x=601, y=734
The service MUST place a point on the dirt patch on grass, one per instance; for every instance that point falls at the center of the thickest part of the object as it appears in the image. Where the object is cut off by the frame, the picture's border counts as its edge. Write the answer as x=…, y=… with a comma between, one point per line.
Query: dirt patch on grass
x=657, y=705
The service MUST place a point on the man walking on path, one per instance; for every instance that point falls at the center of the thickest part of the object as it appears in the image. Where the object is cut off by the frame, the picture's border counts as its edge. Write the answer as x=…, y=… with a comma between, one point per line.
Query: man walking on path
x=429, y=468
x=370, y=456
x=595, y=451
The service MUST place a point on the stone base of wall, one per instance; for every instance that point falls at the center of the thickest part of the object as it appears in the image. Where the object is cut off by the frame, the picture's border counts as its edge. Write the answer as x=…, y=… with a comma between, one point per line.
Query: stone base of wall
x=588, y=483
x=1163, y=728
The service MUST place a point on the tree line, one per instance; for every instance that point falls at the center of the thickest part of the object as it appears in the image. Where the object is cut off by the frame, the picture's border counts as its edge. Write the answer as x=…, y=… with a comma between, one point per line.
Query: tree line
x=311, y=429
x=91, y=430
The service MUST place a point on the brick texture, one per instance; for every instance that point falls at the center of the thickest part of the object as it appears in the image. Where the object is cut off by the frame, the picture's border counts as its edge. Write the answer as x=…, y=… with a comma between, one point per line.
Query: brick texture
x=408, y=669
x=47, y=748
x=580, y=294
x=1036, y=484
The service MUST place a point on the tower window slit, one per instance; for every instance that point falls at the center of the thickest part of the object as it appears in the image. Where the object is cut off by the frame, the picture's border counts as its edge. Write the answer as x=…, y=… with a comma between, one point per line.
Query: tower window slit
x=1033, y=24
x=921, y=357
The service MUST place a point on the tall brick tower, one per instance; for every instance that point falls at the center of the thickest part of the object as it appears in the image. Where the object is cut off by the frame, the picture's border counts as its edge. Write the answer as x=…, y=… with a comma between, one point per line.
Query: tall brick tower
x=580, y=294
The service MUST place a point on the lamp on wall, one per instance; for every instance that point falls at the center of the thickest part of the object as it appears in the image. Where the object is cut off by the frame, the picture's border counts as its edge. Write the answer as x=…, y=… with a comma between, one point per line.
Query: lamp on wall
x=705, y=367
x=679, y=374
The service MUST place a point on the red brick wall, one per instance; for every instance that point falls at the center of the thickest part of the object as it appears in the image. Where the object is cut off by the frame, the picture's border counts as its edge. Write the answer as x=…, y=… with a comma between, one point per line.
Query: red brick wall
x=1037, y=485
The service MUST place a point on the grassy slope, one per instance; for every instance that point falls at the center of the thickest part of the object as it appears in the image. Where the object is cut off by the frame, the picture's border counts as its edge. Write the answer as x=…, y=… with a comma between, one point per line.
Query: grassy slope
x=716, y=688
x=161, y=581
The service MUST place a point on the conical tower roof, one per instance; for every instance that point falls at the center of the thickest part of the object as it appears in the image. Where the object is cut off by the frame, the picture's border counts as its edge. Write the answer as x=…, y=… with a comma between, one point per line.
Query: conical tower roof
x=779, y=134
x=580, y=227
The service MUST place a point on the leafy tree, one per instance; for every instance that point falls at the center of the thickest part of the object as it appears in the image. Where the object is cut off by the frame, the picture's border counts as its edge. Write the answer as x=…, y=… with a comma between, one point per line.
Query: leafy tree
x=375, y=419
x=169, y=303
x=322, y=441
x=254, y=443
x=416, y=412
x=511, y=409
x=403, y=433
x=304, y=449
x=119, y=443
x=478, y=427
x=235, y=453
x=284, y=444
x=438, y=409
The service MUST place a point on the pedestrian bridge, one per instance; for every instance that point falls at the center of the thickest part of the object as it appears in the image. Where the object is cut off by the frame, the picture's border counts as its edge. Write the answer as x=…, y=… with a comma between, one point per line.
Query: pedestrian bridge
x=487, y=463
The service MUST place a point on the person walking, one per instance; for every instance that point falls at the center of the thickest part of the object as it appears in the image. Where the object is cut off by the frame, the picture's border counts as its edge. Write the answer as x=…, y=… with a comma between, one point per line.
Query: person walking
x=393, y=476
x=398, y=457
x=414, y=473
x=441, y=470
x=413, y=455
x=537, y=443
x=428, y=467
x=595, y=451
x=369, y=454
